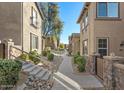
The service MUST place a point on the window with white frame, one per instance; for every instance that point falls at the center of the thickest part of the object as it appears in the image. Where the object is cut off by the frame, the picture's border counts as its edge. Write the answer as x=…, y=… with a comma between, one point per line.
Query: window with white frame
x=86, y=19
x=34, y=17
x=83, y=25
x=102, y=46
x=33, y=41
x=85, y=47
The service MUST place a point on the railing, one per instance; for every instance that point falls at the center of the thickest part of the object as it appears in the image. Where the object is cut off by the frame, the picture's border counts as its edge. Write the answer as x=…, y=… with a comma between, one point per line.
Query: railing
x=15, y=52
x=53, y=66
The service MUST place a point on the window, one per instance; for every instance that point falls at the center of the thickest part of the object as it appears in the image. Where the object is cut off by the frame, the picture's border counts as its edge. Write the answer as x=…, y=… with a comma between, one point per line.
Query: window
x=85, y=47
x=34, y=17
x=34, y=41
x=103, y=46
x=107, y=9
x=83, y=25
x=86, y=19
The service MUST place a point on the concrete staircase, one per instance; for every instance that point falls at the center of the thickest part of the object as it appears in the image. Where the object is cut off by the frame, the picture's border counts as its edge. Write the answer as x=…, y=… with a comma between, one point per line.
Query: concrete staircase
x=35, y=71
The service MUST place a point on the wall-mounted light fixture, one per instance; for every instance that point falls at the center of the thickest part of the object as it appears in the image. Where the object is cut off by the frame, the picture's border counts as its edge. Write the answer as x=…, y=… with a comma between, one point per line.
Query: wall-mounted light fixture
x=122, y=44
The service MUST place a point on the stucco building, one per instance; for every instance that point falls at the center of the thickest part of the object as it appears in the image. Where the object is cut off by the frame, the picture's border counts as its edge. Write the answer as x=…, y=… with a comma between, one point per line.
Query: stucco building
x=102, y=28
x=74, y=42
x=22, y=22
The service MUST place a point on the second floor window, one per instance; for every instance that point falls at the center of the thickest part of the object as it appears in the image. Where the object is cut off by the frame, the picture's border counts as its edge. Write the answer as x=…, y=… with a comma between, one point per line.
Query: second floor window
x=86, y=19
x=107, y=9
x=34, y=17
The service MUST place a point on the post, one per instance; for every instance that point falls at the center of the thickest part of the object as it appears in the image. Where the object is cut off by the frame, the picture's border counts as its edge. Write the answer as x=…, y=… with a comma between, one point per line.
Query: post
x=8, y=43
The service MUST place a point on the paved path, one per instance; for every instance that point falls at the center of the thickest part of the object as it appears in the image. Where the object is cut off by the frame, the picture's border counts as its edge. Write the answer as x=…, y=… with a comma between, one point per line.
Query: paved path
x=86, y=81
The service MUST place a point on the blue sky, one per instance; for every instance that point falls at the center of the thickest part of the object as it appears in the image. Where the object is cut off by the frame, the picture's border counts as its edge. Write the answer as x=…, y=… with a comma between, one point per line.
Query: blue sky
x=69, y=13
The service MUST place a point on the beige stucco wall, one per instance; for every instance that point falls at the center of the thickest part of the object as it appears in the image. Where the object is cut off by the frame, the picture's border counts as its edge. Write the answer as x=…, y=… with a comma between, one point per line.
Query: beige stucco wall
x=28, y=28
x=89, y=34
x=75, y=45
x=10, y=22
x=113, y=29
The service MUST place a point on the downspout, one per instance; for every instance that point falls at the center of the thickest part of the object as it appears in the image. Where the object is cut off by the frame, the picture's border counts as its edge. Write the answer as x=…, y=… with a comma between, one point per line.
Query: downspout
x=22, y=25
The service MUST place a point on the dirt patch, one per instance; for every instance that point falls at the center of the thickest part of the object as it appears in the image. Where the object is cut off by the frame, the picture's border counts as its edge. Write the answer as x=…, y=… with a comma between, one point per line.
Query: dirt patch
x=22, y=78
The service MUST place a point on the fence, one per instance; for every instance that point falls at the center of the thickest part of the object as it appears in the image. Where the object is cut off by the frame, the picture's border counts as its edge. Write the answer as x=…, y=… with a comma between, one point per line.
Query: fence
x=100, y=67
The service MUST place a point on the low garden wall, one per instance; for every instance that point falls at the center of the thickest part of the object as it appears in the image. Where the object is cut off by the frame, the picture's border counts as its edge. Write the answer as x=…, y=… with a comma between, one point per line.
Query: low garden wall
x=119, y=75
x=113, y=71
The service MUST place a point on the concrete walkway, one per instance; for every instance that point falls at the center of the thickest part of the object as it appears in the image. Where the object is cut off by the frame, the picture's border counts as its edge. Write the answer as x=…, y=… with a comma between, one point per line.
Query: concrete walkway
x=86, y=81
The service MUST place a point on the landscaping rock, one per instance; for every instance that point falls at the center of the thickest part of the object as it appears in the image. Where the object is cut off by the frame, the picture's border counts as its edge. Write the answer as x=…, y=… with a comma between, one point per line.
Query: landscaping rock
x=39, y=84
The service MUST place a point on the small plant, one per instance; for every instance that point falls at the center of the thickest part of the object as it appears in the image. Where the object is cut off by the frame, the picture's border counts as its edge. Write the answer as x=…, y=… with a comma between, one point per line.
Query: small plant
x=34, y=56
x=78, y=53
x=44, y=53
x=24, y=56
x=50, y=56
x=9, y=73
x=36, y=60
x=75, y=57
x=34, y=53
x=81, y=63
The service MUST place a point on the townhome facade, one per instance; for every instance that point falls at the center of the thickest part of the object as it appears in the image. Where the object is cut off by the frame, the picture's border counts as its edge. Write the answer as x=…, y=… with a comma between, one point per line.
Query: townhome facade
x=102, y=28
x=22, y=22
x=74, y=41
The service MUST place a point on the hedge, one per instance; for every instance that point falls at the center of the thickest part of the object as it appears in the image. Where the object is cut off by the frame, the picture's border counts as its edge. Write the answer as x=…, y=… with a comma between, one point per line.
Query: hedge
x=9, y=73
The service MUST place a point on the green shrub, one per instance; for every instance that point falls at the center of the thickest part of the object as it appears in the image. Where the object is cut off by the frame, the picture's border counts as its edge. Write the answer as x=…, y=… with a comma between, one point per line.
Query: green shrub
x=44, y=53
x=75, y=57
x=36, y=60
x=78, y=53
x=9, y=73
x=48, y=49
x=81, y=63
x=50, y=56
x=34, y=56
x=24, y=56
x=34, y=53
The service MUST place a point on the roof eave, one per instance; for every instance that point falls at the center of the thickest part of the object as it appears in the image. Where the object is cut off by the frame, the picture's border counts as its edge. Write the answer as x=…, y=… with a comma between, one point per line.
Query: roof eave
x=40, y=11
x=82, y=11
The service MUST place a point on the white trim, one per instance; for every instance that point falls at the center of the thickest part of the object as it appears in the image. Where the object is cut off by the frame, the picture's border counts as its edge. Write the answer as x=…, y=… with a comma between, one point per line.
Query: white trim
x=102, y=48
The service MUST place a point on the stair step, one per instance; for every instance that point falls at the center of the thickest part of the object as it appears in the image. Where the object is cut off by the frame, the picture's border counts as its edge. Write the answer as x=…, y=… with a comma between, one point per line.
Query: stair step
x=46, y=76
x=41, y=73
x=22, y=87
x=27, y=66
x=35, y=71
x=30, y=68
